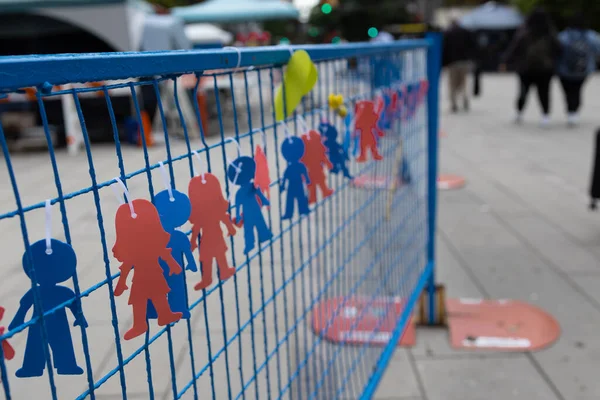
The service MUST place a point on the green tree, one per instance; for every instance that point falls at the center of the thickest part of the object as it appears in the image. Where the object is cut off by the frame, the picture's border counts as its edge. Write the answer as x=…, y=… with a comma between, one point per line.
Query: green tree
x=353, y=18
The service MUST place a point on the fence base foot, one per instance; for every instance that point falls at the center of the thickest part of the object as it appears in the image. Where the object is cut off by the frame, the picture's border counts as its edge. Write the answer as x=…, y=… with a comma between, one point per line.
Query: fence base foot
x=440, y=319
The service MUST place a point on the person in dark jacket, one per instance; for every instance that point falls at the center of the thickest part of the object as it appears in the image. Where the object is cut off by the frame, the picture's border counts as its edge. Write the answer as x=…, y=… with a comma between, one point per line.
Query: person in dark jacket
x=459, y=50
x=581, y=47
x=534, y=52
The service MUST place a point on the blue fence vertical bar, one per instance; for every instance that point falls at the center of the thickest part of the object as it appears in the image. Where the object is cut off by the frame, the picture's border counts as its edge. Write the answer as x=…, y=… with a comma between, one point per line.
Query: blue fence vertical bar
x=434, y=65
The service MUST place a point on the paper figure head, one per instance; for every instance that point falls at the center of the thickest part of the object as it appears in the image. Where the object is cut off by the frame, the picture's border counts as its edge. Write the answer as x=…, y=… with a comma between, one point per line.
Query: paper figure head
x=141, y=236
x=173, y=212
x=242, y=170
x=53, y=268
x=206, y=197
x=328, y=131
x=292, y=149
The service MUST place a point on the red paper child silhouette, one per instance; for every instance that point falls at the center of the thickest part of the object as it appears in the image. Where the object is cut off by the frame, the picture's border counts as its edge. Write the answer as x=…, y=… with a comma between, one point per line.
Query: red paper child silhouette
x=209, y=210
x=262, y=180
x=141, y=242
x=367, y=118
x=315, y=158
x=7, y=349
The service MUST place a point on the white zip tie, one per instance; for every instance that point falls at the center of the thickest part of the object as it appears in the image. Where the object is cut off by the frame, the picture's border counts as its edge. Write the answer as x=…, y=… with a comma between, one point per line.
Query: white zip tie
x=48, y=210
x=236, y=143
x=202, y=172
x=166, y=180
x=305, y=126
x=127, y=197
x=239, y=54
x=288, y=134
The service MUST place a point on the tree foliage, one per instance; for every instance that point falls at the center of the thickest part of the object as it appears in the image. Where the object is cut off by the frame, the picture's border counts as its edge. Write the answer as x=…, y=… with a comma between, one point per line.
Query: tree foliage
x=353, y=18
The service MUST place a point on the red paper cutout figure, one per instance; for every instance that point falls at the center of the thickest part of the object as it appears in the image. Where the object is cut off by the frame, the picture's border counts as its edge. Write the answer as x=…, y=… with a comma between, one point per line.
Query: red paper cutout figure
x=262, y=179
x=367, y=118
x=7, y=349
x=315, y=158
x=141, y=241
x=209, y=210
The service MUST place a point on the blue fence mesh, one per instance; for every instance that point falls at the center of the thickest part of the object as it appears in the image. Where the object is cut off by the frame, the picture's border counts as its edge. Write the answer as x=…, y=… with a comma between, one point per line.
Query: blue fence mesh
x=282, y=326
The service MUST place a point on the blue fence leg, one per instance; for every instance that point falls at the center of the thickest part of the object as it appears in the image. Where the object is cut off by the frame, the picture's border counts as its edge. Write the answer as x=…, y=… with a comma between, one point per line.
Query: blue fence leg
x=434, y=67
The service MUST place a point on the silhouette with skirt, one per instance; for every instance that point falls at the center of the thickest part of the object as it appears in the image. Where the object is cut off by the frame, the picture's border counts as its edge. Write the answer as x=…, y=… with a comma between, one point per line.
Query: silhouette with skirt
x=367, y=117
x=295, y=177
x=248, y=200
x=209, y=211
x=7, y=349
x=143, y=242
x=335, y=151
x=173, y=214
x=315, y=158
x=52, y=266
x=262, y=180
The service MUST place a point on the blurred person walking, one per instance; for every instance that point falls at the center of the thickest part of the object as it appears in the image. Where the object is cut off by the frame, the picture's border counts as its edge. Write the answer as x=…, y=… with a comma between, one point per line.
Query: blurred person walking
x=459, y=51
x=580, y=49
x=534, y=51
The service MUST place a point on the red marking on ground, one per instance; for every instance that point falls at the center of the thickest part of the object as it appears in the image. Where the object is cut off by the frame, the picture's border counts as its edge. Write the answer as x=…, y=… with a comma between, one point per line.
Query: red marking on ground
x=502, y=325
x=361, y=320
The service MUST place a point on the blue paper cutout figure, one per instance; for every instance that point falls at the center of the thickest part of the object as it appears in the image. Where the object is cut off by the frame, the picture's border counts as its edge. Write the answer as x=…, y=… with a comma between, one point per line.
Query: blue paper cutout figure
x=335, y=151
x=405, y=171
x=348, y=132
x=386, y=117
x=241, y=172
x=174, y=214
x=295, y=177
x=50, y=269
x=385, y=72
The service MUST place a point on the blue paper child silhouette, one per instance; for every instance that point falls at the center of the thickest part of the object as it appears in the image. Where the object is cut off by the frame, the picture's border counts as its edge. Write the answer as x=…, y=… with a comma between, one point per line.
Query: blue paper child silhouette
x=174, y=214
x=295, y=177
x=348, y=133
x=335, y=151
x=387, y=114
x=241, y=172
x=50, y=269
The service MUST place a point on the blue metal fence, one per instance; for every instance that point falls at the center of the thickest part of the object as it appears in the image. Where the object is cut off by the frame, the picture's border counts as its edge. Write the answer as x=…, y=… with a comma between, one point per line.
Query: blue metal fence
x=289, y=323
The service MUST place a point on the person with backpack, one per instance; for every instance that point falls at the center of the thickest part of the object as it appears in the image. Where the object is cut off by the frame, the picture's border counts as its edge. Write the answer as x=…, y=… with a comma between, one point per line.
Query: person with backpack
x=580, y=48
x=534, y=52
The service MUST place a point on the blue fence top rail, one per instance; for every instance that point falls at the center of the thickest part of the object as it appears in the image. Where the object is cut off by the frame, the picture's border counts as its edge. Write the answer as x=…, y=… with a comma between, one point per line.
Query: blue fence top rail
x=79, y=68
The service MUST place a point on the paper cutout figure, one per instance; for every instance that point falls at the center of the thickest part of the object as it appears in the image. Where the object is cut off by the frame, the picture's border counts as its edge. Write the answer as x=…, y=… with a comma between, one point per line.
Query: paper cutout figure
x=295, y=177
x=142, y=241
x=174, y=214
x=209, y=210
x=241, y=172
x=398, y=103
x=50, y=270
x=348, y=134
x=337, y=156
x=262, y=180
x=367, y=117
x=7, y=349
x=387, y=112
x=299, y=78
x=385, y=73
x=315, y=159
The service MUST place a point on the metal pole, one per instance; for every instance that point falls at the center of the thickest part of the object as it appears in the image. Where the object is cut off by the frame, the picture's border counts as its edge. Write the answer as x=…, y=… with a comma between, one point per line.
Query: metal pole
x=434, y=66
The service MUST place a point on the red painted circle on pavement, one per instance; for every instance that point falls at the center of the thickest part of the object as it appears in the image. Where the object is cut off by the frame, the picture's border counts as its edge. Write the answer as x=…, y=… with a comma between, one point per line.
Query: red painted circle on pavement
x=449, y=181
x=499, y=325
x=361, y=320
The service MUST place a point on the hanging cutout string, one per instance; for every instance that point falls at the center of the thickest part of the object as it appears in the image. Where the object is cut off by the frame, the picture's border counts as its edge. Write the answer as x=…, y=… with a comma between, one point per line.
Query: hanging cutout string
x=288, y=134
x=126, y=193
x=166, y=180
x=238, y=168
x=48, y=209
x=202, y=171
x=263, y=137
x=305, y=126
x=239, y=54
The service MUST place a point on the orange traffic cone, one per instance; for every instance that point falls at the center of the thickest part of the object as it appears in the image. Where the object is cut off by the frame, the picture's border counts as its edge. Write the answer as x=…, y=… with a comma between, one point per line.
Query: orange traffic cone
x=147, y=130
x=203, y=111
